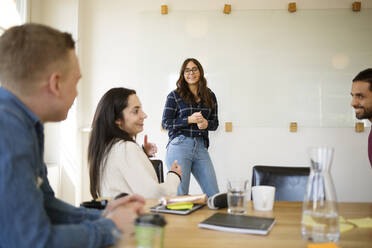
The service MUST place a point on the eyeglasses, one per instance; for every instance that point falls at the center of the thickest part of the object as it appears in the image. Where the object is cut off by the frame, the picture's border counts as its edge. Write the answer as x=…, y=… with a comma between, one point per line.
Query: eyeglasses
x=194, y=70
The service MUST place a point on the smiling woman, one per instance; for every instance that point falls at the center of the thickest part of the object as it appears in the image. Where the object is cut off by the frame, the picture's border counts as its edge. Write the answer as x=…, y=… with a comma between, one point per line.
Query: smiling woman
x=190, y=113
x=117, y=163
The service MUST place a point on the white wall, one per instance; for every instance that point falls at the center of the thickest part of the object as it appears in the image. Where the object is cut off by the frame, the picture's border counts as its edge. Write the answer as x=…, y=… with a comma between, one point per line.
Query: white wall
x=115, y=53
x=114, y=56
x=63, y=154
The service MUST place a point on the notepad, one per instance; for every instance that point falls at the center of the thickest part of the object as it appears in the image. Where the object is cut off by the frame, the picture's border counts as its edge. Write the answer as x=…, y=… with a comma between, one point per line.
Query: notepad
x=344, y=225
x=163, y=209
x=323, y=245
x=362, y=222
x=238, y=223
x=180, y=205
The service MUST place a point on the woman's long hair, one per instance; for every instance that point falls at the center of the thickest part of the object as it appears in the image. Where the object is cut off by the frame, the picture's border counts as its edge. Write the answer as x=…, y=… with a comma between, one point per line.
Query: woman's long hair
x=105, y=133
x=203, y=91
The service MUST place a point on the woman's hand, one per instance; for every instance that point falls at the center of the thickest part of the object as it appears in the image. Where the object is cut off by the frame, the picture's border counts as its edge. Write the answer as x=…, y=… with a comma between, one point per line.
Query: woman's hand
x=202, y=123
x=194, y=118
x=199, y=119
x=149, y=148
x=176, y=168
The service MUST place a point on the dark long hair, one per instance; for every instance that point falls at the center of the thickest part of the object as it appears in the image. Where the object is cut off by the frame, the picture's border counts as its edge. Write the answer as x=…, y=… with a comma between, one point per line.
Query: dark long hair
x=203, y=91
x=105, y=133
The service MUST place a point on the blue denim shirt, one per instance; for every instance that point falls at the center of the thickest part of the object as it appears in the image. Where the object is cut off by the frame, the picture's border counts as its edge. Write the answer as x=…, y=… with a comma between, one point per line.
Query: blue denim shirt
x=30, y=214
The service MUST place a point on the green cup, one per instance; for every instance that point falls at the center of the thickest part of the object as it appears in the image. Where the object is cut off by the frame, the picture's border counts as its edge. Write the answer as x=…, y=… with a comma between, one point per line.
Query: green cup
x=149, y=229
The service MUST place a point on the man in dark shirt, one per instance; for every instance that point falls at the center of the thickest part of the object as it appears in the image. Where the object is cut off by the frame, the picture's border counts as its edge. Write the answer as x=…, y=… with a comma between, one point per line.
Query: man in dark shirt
x=361, y=93
x=39, y=72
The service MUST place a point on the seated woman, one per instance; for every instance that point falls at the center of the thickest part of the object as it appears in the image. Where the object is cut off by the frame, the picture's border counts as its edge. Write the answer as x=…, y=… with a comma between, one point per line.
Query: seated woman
x=116, y=162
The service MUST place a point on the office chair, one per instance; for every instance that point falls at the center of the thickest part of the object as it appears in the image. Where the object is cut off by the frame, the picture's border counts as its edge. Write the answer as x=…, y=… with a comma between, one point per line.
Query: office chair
x=290, y=182
x=158, y=166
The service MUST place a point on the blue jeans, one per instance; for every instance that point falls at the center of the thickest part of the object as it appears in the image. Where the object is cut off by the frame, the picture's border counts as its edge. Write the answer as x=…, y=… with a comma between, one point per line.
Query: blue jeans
x=193, y=157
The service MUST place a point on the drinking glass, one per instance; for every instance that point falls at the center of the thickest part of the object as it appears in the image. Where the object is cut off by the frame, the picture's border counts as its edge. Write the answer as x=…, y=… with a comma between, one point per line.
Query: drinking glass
x=236, y=196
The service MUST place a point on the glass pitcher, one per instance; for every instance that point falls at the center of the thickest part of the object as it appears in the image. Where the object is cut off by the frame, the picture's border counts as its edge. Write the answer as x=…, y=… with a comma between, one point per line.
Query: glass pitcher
x=319, y=212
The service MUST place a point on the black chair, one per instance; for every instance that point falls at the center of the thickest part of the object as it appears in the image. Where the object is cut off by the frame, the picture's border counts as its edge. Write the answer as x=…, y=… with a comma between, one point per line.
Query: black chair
x=100, y=204
x=158, y=166
x=290, y=182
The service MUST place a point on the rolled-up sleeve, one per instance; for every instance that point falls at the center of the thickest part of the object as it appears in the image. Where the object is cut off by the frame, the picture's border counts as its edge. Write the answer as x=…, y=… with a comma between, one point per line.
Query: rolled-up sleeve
x=170, y=119
x=213, y=118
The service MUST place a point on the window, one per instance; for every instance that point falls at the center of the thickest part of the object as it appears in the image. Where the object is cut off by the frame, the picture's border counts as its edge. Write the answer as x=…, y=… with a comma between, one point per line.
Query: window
x=12, y=12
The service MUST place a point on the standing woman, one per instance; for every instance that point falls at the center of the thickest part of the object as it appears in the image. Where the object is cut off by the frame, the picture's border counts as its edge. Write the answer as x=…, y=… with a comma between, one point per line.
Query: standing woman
x=116, y=162
x=190, y=112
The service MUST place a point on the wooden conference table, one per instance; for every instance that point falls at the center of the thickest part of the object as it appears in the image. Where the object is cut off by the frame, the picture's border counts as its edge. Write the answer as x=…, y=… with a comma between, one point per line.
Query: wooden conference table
x=183, y=231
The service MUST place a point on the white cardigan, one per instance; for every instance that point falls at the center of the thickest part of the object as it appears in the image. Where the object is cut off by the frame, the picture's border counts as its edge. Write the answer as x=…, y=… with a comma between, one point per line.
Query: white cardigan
x=128, y=169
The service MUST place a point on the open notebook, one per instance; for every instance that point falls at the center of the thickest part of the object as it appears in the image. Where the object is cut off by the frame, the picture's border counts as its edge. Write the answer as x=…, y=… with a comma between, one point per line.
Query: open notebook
x=238, y=223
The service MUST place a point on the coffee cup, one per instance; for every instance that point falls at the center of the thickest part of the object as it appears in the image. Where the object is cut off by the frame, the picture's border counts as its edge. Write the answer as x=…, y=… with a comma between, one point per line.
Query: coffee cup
x=263, y=197
x=149, y=229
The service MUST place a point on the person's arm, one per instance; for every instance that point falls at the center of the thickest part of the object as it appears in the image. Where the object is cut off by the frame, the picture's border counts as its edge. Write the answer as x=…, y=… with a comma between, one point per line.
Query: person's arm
x=170, y=119
x=138, y=172
x=213, y=118
x=61, y=212
x=25, y=220
x=149, y=148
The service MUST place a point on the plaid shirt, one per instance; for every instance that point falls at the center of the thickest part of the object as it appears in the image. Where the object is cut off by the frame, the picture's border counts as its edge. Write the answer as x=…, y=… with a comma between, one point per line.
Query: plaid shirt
x=176, y=113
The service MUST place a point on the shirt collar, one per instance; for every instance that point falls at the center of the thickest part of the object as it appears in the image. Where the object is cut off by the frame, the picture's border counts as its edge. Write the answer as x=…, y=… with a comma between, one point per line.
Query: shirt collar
x=9, y=96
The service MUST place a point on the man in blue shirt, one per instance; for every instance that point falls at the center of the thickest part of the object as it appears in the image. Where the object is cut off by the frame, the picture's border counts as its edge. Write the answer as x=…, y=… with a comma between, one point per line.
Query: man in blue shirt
x=39, y=72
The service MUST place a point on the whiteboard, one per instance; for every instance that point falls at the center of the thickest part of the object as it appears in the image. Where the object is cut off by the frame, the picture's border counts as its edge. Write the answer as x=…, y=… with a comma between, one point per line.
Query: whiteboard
x=267, y=67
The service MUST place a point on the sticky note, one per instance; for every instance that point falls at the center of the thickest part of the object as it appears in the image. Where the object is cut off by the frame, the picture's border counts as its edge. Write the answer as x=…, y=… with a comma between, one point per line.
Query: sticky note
x=362, y=222
x=309, y=221
x=180, y=205
x=344, y=227
x=341, y=219
x=323, y=245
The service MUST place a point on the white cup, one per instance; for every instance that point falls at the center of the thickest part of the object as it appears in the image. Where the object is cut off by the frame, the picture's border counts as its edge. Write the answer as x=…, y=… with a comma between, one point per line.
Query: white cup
x=263, y=197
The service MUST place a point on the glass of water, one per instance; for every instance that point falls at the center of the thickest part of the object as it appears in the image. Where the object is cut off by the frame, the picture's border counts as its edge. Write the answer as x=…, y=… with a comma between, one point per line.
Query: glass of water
x=237, y=196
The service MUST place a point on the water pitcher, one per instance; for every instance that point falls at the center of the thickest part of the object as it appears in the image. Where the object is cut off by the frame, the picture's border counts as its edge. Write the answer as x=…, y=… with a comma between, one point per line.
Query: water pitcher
x=319, y=213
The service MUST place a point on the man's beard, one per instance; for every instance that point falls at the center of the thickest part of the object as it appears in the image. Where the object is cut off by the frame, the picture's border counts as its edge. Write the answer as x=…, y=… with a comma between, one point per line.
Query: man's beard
x=366, y=114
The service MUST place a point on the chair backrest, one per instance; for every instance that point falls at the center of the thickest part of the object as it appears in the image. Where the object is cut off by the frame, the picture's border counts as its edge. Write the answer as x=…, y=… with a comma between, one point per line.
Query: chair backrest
x=290, y=182
x=158, y=166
